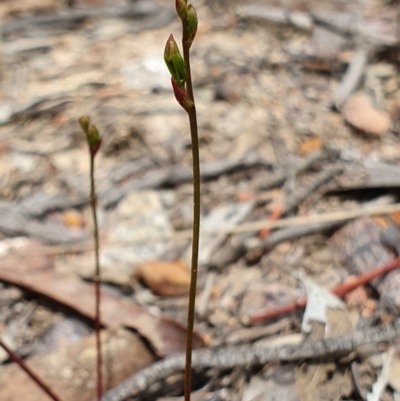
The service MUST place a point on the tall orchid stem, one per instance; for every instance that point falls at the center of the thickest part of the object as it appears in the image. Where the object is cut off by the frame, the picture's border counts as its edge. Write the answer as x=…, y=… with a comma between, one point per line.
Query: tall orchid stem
x=97, y=280
x=196, y=215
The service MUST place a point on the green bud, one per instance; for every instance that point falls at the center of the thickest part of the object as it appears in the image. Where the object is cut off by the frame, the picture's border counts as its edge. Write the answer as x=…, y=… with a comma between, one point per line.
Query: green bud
x=181, y=95
x=84, y=123
x=175, y=62
x=191, y=23
x=92, y=135
x=181, y=6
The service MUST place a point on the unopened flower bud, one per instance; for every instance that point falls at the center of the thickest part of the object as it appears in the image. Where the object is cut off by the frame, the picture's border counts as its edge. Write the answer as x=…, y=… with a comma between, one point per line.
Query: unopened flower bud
x=92, y=135
x=175, y=62
x=181, y=96
x=84, y=123
x=191, y=23
x=181, y=6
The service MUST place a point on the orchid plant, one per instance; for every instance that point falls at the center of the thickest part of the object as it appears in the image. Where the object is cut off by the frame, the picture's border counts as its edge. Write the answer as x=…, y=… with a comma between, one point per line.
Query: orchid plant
x=181, y=79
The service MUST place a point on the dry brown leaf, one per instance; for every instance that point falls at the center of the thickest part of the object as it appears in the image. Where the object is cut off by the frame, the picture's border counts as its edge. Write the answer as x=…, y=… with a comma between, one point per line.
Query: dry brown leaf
x=361, y=114
x=165, y=278
x=395, y=217
x=71, y=372
x=36, y=274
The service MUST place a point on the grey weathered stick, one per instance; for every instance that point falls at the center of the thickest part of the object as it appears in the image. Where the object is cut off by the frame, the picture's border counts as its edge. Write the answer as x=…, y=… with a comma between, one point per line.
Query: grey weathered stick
x=254, y=252
x=176, y=175
x=301, y=193
x=147, y=15
x=226, y=358
x=351, y=78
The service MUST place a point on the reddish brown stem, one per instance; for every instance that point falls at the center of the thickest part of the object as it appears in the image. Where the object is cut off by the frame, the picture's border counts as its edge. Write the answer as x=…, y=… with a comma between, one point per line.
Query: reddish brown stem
x=21, y=363
x=192, y=114
x=340, y=290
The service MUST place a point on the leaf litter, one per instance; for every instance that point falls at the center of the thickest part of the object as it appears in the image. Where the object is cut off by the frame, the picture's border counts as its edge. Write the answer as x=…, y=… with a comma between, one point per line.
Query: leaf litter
x=264, y=93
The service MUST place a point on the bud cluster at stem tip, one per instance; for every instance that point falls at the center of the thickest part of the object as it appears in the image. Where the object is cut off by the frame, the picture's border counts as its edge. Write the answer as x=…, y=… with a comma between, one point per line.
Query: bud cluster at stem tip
x=92, y=135
x=172, y=56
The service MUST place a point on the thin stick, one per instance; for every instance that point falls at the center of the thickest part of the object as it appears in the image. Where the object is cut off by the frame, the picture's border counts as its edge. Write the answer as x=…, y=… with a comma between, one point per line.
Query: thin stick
x=21, y=363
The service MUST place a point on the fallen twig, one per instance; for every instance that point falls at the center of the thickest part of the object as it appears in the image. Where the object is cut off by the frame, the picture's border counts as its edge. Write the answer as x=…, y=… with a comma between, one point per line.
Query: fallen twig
x=255, y=251
x=176, y=175
x=249, y=355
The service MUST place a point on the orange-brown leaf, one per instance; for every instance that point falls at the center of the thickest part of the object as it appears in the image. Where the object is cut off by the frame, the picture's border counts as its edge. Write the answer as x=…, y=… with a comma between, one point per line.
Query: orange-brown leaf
x=165, y=278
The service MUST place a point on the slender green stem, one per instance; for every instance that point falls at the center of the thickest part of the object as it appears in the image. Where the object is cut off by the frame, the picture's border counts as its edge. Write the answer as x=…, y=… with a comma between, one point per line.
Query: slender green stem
x=97, y=281
x=196, y=217
x=21, y=363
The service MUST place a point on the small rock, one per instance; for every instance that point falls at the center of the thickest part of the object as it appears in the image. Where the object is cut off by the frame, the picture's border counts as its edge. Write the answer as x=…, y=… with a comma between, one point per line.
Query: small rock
x=361, y=114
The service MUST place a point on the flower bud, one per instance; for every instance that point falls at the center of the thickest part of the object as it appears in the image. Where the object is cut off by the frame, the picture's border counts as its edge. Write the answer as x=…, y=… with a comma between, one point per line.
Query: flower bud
x=84, y=123
x=92, y=135
x=181, y=96
x=175, y=62
x=181, y=6
x=191, y=23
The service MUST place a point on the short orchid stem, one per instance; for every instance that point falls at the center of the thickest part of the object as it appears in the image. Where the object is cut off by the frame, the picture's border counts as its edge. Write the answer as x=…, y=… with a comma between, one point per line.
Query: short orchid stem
x=94, y=142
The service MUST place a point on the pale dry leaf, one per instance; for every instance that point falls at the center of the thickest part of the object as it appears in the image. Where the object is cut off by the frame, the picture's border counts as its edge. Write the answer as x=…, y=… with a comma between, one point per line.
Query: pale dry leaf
x=318, y=301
